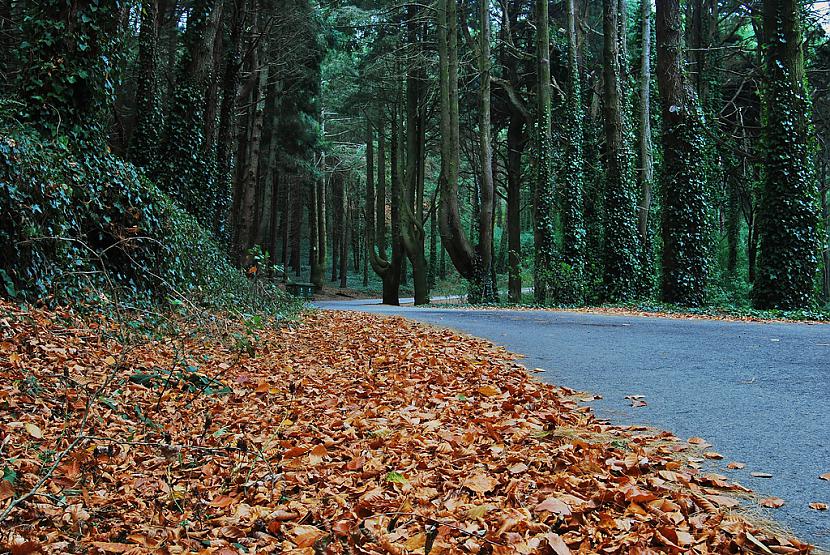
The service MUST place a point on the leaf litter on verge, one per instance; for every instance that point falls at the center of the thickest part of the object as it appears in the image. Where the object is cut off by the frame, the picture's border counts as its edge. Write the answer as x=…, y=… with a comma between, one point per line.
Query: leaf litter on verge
x=357, y=442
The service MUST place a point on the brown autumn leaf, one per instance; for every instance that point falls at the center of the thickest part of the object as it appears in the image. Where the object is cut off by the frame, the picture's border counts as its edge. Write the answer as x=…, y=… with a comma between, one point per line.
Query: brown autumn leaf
x=553, y=505
x=480, y=482
x=358, y=399
x=817, y=506
x=772, y=502
x=714, y=455
x=489, y=390
x=735, y=465
x=825, y=476
x=697, y=440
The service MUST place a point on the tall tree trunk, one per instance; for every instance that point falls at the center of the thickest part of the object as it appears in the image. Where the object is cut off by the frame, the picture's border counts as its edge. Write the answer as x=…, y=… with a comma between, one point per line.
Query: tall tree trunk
x=346, y=239
x=411, y=193
x=684, y=185
x=144, y=142
x=486, y=288
x=544, y=240
x=621, y=266
x=645, y=175
x=227, y=109
x=380, y=211
x=298, y=198
x=453, y=237
x=337, y=223
x=787, y=215
x=246, y=189
x=573, y=225
x=388, y=270
x=515, y=146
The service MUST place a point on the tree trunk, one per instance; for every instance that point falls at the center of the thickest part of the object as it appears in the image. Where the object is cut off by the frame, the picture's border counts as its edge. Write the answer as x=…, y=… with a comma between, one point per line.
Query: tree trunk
x=515, y=146
x=485, y=291
x=453, y=237
x=245, y=220
x=620, y=250
x=380, y=211
x=684, y=202
x=645, y=175
x=543, y=231
x=388, y=270
x=227, y=109
x=573, y=225
x=787, y=216
x=144, y=142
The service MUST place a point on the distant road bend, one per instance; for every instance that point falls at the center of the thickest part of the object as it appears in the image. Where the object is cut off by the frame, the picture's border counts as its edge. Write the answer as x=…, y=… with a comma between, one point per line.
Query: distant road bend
x=760, y=393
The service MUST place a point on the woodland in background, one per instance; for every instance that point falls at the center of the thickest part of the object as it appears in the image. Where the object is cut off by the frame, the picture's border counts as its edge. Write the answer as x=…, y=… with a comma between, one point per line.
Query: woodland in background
x=600, y=152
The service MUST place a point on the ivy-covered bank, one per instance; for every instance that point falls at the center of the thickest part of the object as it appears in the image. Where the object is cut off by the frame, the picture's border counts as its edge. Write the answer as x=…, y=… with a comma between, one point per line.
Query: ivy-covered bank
x=87, y=226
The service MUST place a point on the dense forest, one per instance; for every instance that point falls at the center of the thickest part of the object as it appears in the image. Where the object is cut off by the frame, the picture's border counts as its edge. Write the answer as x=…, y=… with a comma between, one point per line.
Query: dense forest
x=588, y=151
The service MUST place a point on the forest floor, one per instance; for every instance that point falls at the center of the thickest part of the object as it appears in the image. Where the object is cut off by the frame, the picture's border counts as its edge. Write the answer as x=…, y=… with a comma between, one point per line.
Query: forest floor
x=343, y=433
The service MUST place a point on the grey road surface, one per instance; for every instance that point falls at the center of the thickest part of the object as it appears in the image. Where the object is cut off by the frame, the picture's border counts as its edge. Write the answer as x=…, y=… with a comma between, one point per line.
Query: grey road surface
x=760, y=393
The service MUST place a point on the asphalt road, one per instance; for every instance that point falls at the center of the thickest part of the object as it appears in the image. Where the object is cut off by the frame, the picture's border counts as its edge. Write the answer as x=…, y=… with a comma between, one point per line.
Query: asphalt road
x=760, y=393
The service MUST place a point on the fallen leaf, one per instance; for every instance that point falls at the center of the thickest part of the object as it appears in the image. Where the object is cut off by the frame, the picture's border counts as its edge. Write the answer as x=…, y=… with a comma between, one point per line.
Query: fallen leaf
x=554, y=505
x=489, y=391
x=825, y=476
x=772, y=502
x=480, y=483
x=713, y=455
x=815, y=505
x=34, y=431
x=735, y=465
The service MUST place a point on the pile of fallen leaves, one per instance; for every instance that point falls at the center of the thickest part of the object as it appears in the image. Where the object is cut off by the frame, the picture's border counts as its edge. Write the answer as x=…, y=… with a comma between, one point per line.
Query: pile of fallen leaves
x=347, y=433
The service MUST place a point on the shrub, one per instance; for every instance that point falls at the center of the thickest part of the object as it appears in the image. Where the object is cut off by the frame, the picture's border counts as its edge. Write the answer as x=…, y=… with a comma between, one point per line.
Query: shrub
x=84, y=226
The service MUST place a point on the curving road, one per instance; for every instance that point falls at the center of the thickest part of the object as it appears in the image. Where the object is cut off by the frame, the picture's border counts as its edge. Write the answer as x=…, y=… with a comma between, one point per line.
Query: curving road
x=760, y=393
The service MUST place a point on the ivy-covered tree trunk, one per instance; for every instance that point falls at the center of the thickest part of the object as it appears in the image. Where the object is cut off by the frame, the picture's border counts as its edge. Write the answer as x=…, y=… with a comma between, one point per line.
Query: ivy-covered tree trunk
x=621, y=246
x=573, y=225
x=787, y=214
x=183, y=172
x=227, y=109
x=684, y=200
x=144, y=142
x=68, y=51
x=543, y=233
x=645, y=175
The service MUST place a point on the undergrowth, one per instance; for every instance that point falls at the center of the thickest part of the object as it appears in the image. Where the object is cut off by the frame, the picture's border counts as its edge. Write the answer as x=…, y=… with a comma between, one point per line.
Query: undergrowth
x=89, y=228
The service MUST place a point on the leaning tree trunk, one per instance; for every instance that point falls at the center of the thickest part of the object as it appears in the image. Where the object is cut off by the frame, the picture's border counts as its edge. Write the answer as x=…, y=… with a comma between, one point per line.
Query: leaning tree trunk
x=620, y=250
x=453, y=237
x=684, y=199
x=787, y=216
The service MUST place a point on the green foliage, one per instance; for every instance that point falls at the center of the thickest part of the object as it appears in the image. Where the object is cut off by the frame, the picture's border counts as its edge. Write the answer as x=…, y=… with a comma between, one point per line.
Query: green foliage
x=684, y=211
x=788, y=212
x=68, y=52
x=90, y=227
